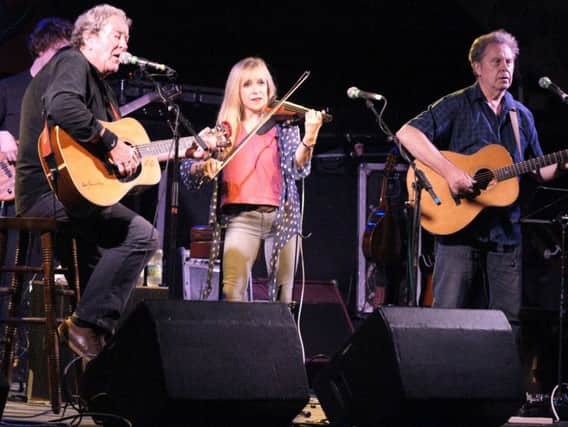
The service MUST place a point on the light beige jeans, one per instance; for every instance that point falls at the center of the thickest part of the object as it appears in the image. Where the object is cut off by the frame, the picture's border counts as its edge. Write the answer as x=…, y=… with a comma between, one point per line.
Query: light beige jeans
x=243, y=236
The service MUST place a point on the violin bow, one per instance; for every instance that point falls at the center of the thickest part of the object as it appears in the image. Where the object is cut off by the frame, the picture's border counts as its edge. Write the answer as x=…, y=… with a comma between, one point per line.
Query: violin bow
x=261, y=123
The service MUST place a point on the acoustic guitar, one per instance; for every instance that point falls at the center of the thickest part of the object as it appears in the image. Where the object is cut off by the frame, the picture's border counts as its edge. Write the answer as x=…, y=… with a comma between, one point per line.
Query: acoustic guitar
x=381, y=238
x=81, y=175
x=492, y=168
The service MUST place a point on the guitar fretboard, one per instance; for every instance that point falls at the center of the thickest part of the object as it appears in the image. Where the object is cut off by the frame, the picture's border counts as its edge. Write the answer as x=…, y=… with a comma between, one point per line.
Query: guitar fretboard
x=530, y=165
x=165, y=146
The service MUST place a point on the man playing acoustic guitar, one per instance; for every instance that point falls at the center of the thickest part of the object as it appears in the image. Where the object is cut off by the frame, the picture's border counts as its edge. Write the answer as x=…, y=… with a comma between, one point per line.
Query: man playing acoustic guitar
x=68, y=103
x=483, y=252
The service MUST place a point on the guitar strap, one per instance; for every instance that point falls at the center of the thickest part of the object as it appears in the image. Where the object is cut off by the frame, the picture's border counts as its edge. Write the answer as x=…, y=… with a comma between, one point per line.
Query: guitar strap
x=115, y=112
x=515, y=124
x=45, y=149
x=46, y=153
x=107, y=92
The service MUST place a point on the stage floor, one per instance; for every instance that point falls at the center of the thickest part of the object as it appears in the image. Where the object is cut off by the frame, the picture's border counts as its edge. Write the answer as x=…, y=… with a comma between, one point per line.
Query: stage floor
x=17, y=413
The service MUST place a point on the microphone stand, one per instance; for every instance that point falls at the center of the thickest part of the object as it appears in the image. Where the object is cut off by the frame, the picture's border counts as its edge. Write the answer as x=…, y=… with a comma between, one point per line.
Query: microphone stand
x=563, y=221
x=420, y=182
x=169, y=270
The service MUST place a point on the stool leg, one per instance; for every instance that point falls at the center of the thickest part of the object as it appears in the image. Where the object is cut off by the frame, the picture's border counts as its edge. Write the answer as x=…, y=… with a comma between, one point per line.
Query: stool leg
x=52, y=343
x=15, y=296
x=75, y=286
x=76, y=282
x=7, y=332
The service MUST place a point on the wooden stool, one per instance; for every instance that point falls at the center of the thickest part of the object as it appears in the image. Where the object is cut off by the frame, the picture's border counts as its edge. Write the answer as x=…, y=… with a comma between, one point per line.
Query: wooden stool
x=46, y=228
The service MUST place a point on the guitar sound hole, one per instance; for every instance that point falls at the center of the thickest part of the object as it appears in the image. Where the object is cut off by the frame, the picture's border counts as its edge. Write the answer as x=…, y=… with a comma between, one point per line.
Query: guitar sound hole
x=483, y=177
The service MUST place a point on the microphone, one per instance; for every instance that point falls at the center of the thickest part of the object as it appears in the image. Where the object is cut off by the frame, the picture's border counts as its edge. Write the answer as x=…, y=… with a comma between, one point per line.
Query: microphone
x=354, y=93
x=129, y=59
x=546, y=83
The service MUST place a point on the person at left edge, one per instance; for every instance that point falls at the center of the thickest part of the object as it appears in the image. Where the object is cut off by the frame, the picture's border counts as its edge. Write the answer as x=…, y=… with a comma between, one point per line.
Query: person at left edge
x=48, y=36
x=115, y=242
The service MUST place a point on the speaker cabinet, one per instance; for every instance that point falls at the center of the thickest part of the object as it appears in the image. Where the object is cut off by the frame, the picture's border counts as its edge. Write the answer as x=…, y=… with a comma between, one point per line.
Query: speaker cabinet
x=424, y=366
x=142, y=294
x=201, y=363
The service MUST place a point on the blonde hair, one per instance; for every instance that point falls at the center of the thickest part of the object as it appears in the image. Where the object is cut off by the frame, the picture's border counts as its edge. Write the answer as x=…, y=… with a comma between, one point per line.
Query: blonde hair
x=93, y=20
x=231, y=109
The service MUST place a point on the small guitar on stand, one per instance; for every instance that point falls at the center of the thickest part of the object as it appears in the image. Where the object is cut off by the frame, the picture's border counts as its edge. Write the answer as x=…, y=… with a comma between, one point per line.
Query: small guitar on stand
x=382, y=242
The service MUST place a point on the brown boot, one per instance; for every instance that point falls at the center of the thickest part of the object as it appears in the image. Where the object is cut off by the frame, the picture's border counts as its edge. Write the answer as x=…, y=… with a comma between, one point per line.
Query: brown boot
x=83, y=341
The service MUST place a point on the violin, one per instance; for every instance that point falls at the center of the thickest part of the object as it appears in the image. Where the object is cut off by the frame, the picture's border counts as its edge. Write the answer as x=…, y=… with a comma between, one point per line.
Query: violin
x=291, y=111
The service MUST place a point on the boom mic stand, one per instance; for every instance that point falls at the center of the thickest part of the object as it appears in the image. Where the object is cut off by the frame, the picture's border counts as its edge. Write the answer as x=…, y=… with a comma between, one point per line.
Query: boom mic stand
x=560, y=387
x=169, y=270
x=563, y=220
x=420, y=182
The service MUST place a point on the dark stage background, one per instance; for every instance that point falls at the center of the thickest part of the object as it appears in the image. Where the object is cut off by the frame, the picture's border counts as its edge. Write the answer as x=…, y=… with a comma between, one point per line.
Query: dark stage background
x=412, y=52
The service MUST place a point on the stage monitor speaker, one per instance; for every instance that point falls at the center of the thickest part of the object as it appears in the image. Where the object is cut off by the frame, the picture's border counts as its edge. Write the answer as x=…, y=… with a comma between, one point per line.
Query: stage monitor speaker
x=201, y=363
x=424, y=366
x=141, y=294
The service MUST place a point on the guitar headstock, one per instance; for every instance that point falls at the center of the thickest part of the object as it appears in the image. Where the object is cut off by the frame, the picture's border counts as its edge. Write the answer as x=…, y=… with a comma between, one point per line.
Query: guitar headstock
x=223, y=133
x=390, y=162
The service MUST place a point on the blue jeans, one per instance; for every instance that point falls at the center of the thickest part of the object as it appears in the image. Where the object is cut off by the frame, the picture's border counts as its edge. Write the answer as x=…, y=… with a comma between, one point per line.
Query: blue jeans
x=115, y=243
x=457, y=267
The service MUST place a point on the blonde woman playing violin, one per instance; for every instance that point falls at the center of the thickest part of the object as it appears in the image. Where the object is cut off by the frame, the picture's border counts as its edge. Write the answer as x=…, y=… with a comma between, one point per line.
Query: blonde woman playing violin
x=255, y=198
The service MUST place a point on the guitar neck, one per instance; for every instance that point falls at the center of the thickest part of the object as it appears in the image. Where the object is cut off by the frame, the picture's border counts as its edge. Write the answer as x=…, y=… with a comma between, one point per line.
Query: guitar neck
x=390, y=165
x=165, y=146
x=521, y=168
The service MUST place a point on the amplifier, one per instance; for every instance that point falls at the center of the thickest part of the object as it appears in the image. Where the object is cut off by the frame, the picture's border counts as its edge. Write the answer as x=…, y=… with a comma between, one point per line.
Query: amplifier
x=194, y=277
